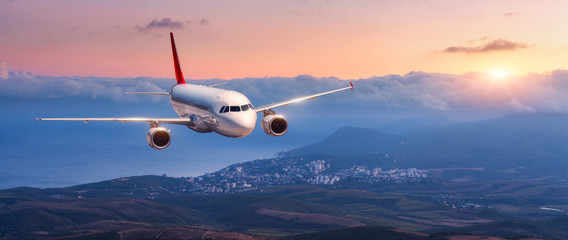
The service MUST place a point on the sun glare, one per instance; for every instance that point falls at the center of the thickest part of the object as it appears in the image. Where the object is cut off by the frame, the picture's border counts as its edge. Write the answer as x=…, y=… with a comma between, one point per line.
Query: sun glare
x=499, y=74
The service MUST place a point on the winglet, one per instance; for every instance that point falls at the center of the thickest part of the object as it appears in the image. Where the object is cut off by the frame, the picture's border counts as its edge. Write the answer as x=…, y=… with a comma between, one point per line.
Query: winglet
x=351, y=86
x=179, y=75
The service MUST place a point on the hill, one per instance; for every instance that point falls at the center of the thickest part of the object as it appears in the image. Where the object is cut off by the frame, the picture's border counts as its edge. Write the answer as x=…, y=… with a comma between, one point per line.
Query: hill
x=118, y=230
x=416, y=125
x=529, y=145
x=363, y=233
x=274, y=211
x=384, y=233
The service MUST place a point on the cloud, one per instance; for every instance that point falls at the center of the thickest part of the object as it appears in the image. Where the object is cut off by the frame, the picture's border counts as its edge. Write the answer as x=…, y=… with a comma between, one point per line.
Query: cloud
x=164, y=23
x=419, y=91
x=491, y=46
x=3, y=70
x=511, y=14
x=415, y=91
x=204, y=22
x=28, y=85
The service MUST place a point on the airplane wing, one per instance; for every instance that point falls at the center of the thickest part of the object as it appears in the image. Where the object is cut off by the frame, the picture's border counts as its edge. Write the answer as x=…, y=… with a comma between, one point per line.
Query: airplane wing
x=314, y=96
x=218, y=84
x=148, y=93
x=180, y=121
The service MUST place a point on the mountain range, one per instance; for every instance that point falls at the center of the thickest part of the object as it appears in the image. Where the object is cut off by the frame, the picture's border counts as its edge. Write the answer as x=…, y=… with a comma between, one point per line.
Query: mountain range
x=535, y=145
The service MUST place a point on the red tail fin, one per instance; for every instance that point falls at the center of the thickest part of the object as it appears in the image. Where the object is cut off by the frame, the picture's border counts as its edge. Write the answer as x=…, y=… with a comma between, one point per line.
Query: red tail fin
x=179, y=75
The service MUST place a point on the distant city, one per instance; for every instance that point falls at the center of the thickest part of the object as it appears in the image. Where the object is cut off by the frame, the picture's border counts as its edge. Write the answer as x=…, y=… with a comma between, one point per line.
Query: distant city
x=286, y=170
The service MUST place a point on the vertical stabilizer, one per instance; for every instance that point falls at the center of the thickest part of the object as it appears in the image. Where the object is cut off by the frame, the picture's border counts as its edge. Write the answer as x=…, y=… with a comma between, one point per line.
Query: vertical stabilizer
x=179, y=75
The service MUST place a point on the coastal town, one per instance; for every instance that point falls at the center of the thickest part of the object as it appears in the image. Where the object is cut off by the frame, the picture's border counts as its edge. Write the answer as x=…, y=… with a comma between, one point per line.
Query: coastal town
x=283, y=170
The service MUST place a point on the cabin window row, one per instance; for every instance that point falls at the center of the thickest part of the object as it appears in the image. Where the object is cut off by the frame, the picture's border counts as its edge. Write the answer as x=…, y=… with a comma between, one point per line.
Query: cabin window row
x=242, y=108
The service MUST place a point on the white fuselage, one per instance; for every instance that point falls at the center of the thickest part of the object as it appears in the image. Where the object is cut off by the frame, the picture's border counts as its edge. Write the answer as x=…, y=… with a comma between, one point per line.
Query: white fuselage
x=226, y=112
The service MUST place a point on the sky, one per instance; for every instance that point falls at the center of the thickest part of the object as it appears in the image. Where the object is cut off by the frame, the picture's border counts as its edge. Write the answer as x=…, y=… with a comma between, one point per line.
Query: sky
x=460, y=60
x=258, y=38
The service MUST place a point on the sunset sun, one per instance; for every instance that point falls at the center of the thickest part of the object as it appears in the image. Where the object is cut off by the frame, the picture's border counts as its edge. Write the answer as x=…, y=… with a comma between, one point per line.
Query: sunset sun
x=499, y=74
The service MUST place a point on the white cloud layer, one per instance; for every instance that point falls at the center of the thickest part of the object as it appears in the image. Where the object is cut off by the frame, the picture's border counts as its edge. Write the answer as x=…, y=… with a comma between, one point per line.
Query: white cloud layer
x=416, y=90
x=28, y=85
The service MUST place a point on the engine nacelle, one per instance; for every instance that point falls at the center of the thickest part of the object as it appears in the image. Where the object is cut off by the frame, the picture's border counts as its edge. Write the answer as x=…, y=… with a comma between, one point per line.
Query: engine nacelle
x=158, y=137
x=274, y=125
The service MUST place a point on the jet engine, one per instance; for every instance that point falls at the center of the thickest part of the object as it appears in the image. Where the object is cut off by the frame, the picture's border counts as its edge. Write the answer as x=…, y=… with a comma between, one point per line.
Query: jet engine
x=274, y=125
x=158, y=137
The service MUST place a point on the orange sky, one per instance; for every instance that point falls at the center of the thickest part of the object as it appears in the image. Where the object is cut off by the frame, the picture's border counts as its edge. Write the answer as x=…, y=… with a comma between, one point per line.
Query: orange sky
x=236, y=39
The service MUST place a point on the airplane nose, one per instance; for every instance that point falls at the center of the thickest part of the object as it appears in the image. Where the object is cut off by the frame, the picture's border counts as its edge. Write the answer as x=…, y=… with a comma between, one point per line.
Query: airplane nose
x=245, y=125
x=240, y=130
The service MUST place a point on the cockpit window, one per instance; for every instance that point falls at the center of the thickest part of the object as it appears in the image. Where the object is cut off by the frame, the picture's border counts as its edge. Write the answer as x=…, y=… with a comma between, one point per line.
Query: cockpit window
x=243, y=108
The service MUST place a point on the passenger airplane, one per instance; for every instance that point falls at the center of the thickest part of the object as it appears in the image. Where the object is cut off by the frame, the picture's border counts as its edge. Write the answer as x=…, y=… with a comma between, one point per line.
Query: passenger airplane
x=208, y=109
